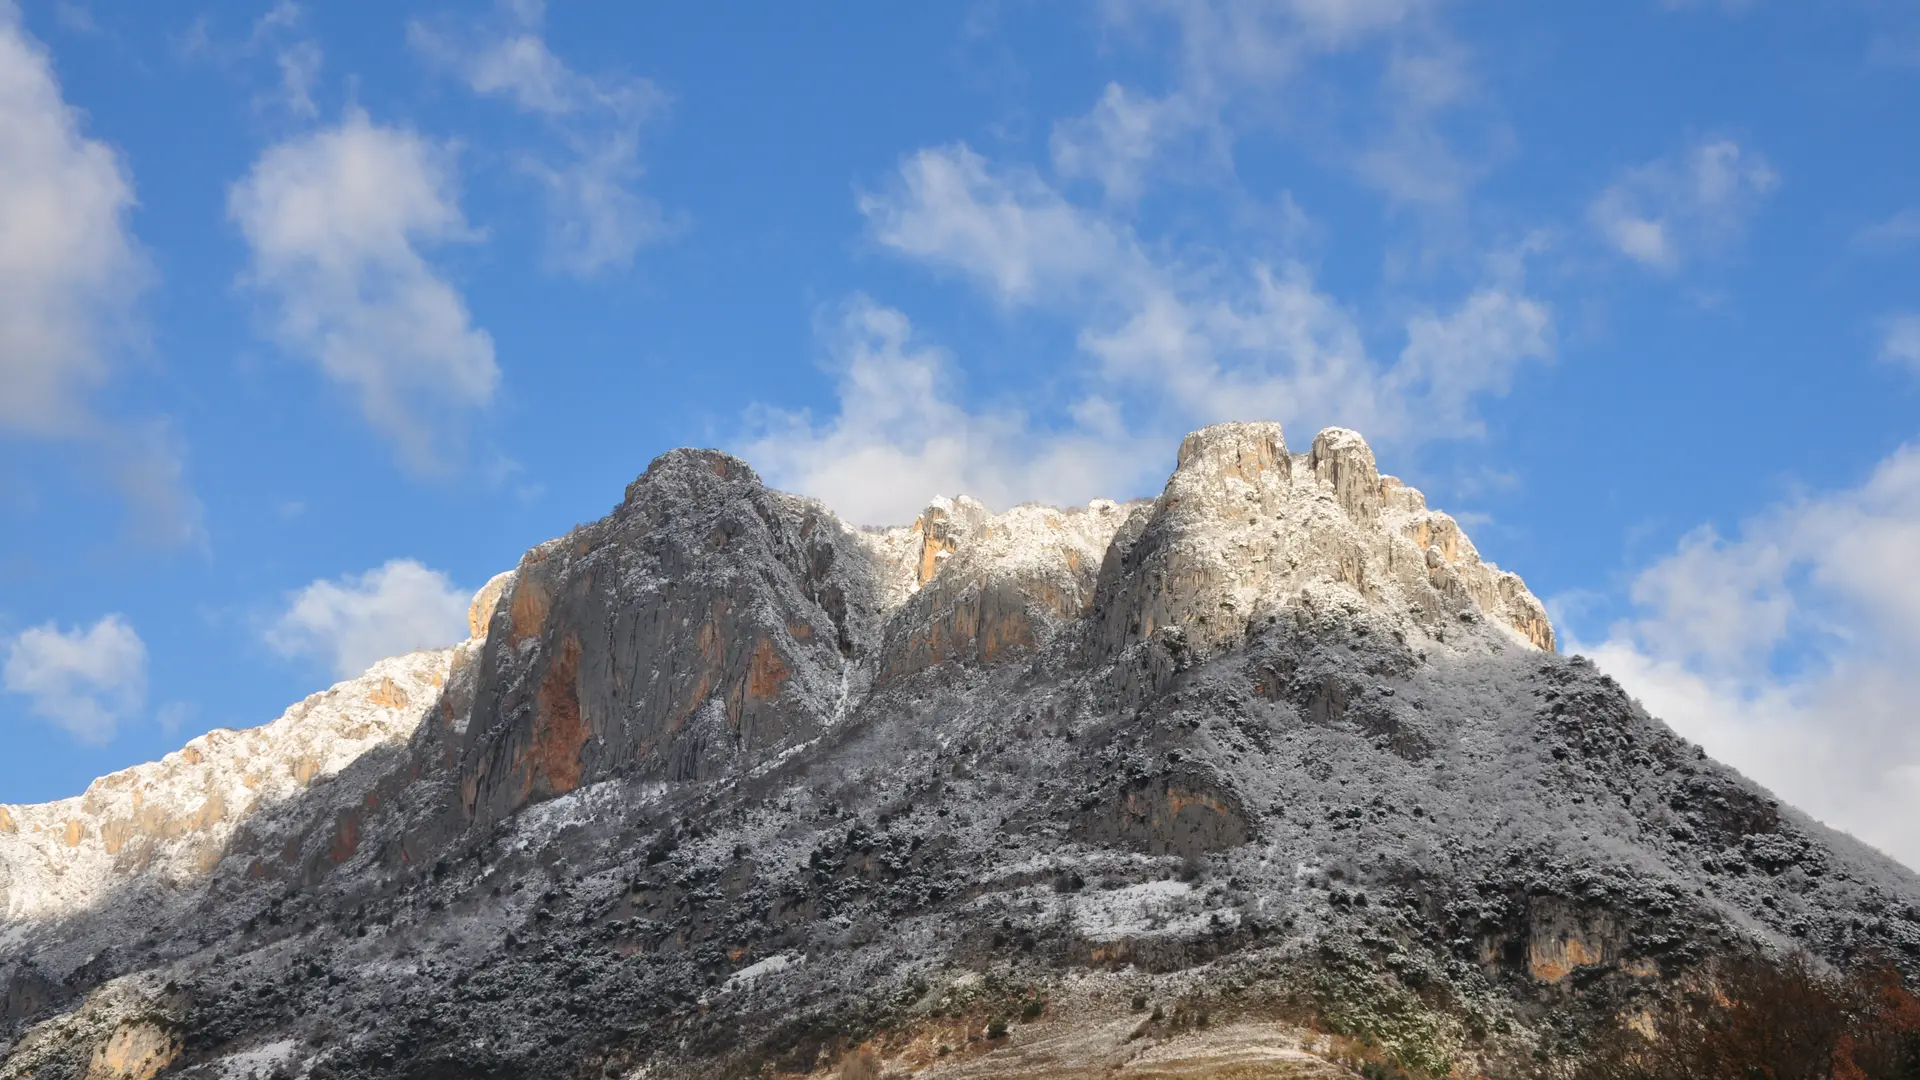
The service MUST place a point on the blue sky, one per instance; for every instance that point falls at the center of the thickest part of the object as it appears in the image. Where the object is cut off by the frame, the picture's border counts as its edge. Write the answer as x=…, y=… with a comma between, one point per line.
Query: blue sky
x=313, y=318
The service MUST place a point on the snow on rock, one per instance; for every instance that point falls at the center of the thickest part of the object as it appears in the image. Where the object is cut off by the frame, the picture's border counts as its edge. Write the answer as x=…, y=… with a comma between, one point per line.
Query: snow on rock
x=169, y=822
x=1279, y=726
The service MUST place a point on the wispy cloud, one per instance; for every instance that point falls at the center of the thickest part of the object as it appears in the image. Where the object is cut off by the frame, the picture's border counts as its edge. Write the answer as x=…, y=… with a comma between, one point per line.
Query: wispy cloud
x=337, y=222
x=1166, y=346
x=278, y=33
x=351, y=622
x=70, y=269
x=1902, y=230
x=1203, y=342
x=1900, y=340
x=1401, y=136
x=147, y=463
x=86, y=681
x=1666, y=212
x=599, y=218
x=71, y=276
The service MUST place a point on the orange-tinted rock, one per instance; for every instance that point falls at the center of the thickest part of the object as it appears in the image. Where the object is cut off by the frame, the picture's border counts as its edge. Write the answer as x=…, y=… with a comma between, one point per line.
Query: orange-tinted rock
x=135, y=1051
x=528, y=608
x=388, y=694
x=1554, y=960
x=766, y=674
x=480, y=611
x=559, y=733
x=346, y=837
x=662, y=640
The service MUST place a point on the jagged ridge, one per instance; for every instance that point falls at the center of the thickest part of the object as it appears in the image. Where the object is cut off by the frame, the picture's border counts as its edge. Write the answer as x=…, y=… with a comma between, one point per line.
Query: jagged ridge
x=720, y=732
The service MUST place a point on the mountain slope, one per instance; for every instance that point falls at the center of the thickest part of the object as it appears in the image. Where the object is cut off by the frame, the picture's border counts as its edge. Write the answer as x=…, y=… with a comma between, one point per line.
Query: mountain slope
x=722, y=785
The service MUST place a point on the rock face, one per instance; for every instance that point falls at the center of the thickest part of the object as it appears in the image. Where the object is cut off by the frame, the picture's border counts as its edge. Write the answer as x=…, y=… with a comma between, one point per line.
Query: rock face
x=1245, y=530
x=723, y=786
x=706, y=624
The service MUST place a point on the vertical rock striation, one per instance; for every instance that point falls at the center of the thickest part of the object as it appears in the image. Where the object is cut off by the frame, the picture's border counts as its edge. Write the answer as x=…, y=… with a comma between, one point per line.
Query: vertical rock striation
x=706, y=624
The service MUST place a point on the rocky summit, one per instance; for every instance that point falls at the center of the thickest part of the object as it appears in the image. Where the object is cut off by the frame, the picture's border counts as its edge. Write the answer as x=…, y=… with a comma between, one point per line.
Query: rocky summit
x=1267, y=776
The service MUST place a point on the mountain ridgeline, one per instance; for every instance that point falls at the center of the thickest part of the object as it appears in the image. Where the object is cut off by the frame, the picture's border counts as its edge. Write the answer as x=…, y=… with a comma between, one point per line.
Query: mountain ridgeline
x=1270, y=775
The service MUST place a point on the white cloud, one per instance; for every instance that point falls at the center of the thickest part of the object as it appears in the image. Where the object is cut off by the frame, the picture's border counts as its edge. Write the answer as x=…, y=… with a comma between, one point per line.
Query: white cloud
x=70, y=275
x=901, y=436
x=1010, y=232
x=1668, y=211
x=1477, y=349
x=362, y=618
x=336, y=221
x=1413, y=156
x=276, y=32
x=1900, y=340
x=1787, y=652
x=87, y=681
x=298, y=60
x=1169, y=348
x=599, y=217
x=1172, y=338
x=70, y=270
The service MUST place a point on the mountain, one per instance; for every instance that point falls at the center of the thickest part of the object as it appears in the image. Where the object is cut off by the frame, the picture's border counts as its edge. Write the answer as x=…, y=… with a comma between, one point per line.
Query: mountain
x=1265, y=774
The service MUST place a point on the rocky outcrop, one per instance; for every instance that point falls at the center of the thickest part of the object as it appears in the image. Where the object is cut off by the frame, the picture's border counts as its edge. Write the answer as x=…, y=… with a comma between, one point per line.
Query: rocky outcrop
x=993, y=588
x=705, y=625
x=1244, y=529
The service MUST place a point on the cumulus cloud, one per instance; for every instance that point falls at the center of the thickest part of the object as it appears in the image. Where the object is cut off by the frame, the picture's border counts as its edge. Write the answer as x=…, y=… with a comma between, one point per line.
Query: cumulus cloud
x=336, y=221
x=1668, y=211
x=361, y=618
x=87, y=681
x=70, y=270
x=1009, y=231
x=598, y=216
x=1787, y=651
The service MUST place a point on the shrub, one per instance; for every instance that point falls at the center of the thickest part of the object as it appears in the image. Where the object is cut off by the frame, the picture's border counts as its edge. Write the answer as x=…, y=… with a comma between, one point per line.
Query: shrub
x=860, y=1066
